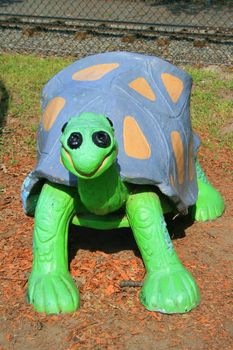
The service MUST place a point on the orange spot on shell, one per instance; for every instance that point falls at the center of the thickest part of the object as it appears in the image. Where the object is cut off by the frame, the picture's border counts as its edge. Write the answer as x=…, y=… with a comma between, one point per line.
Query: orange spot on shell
x=135, y=142
x=191, y=159
x=178, y=150
x=173, y=85
x=94, y=72
x=51, y=112
x=143, y=88
x=172, y=181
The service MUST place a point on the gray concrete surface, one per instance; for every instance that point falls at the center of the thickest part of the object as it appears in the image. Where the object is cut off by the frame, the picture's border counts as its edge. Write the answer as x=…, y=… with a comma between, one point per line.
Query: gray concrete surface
x=176, y=12
x=79, y=43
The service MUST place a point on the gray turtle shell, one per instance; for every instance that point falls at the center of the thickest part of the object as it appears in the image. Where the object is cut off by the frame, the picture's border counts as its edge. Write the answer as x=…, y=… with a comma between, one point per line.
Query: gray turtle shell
x=148, y=101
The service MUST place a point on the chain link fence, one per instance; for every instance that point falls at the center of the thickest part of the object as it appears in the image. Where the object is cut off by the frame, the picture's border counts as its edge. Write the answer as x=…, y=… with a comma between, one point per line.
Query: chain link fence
x=199, y=31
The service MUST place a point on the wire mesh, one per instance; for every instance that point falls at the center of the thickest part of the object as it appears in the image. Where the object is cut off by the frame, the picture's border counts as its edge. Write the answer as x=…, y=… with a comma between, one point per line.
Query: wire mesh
x=180, y=31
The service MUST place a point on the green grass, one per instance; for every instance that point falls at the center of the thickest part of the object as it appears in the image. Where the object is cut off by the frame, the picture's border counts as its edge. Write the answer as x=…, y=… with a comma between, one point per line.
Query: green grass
x=212, y=103
x=24, y=77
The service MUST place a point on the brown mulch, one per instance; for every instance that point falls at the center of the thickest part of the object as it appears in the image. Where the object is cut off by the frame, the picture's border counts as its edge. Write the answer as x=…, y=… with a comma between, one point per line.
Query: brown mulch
x=111, y=316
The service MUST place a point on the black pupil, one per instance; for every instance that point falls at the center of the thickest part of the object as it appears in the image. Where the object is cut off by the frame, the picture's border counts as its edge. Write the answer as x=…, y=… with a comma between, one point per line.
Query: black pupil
x=101, y=139
x=75, y=140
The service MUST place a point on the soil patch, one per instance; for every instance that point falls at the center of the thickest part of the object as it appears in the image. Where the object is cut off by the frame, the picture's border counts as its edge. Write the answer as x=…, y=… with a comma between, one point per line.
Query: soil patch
x=111, y=317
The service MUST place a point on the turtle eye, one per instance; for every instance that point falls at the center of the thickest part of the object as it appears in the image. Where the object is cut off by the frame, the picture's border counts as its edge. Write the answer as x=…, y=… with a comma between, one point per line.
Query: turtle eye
x=75, y=140
x=101, y=139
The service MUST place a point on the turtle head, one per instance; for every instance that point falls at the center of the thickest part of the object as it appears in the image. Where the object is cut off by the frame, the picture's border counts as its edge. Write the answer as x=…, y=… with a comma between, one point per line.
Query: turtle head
x=89, y=147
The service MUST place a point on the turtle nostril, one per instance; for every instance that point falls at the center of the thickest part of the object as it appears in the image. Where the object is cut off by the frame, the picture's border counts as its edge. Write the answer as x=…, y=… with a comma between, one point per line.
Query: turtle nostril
x=101, y=139
x=75, y=140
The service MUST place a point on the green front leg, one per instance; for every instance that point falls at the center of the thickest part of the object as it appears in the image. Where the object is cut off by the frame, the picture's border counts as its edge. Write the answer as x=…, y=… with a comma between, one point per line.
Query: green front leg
x=168, y=286
x=209, y=204
x=51, y=288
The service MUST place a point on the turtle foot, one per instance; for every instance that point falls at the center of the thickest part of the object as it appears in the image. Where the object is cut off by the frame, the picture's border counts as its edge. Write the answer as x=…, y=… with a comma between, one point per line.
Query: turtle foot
x=170, y=291
x=209, y=205
x=52, y=293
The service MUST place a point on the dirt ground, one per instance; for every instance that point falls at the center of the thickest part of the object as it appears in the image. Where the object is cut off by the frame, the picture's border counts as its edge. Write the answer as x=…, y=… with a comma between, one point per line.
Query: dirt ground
x=111, y=317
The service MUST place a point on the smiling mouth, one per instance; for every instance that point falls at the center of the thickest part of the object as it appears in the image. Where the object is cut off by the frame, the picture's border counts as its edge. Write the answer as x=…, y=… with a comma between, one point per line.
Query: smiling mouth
x=93, y=172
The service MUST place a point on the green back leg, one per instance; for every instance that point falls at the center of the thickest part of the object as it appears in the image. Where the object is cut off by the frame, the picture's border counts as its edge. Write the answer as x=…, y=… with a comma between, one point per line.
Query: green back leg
x=209, y=204
x=168, y=286
x=51, y=288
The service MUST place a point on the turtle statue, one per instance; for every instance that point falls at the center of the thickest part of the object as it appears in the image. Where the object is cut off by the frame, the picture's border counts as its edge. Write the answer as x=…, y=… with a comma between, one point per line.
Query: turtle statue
x=116, y=149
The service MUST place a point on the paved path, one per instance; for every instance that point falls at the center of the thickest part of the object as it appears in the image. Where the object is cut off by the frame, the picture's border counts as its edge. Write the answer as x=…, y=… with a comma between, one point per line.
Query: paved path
x=167, y=12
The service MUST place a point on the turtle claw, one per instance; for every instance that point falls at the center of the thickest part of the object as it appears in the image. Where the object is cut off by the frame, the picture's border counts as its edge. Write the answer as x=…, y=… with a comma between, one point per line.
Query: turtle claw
x=53, y=294
x=209, y=205
x=170, y=291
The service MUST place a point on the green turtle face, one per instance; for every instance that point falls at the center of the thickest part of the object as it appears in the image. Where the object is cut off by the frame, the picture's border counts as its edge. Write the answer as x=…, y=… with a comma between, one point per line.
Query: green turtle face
x=88, y=145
